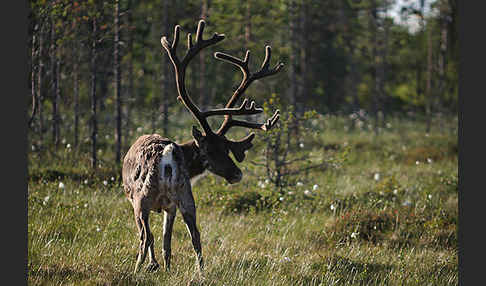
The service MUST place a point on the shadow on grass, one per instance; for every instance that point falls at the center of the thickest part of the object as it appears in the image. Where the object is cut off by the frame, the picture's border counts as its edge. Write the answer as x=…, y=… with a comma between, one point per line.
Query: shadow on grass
x=58, y=275
x=345, y=270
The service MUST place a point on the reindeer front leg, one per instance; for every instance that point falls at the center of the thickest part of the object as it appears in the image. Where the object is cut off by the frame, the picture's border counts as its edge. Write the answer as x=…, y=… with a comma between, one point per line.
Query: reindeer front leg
x=187, y=208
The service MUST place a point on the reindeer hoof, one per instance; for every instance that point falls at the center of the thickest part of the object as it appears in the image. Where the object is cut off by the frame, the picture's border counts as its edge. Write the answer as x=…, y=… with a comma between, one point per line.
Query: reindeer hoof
x=153, y=267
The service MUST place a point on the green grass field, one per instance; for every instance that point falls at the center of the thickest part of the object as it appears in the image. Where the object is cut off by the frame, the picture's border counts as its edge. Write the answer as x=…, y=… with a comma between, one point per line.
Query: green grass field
x=384, y=212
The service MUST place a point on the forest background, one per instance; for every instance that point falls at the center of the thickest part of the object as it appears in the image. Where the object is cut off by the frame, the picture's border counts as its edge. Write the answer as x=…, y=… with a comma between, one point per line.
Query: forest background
x=357, y=184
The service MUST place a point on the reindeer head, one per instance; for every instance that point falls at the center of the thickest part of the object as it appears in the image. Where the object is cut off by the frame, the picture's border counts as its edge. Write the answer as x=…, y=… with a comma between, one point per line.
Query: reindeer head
x=214, y=146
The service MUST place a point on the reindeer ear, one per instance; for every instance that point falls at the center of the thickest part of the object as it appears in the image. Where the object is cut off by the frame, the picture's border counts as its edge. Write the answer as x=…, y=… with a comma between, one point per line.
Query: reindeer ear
x=238, y=148
x=197, y=135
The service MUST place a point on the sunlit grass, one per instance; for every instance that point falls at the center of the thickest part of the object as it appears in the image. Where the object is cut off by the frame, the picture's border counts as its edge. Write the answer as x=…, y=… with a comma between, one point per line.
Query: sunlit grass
x=379, y=219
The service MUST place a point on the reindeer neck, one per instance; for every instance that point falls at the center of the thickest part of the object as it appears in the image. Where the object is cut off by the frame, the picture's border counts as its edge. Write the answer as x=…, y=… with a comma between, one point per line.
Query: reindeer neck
x=193, y=159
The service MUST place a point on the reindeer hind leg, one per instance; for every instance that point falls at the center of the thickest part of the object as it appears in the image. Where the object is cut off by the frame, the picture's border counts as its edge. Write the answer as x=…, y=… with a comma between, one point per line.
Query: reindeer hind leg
x=146, y=239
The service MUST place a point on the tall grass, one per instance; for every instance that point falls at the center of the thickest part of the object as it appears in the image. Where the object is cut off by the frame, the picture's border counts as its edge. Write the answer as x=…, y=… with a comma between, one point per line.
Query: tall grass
x=387, y=216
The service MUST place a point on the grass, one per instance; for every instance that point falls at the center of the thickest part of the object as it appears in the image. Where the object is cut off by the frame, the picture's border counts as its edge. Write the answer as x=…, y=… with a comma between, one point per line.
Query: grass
x=386, y=215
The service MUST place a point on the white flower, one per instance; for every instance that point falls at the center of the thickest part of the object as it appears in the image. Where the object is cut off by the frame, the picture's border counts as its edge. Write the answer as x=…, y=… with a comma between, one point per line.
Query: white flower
x=86, y=205
x=113, y=178
x=429, y=196
x=33, y=147
x=98, y=229
x=299, y=184
x=301, y=145
x=61, y=185
x=105, y=182
x=354, y=234
x=63, y=141
x=86, y=181
x=281, y=199
x=68, y=146
x=388, y=125
x=267, y=181
x=429, y=160
x=286, y=259
x=333, y=207
x=406, y=203
x=395, y=191
x=46, y=199
x=315, y=187
x=377, y=176
x=307, y=193
x=417, y=162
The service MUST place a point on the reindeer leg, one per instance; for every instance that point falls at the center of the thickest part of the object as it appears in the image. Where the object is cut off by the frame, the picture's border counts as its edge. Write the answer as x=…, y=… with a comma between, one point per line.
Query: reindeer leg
x=188, y=211
x=169, y=217
x=153, y=264
x=146, y=237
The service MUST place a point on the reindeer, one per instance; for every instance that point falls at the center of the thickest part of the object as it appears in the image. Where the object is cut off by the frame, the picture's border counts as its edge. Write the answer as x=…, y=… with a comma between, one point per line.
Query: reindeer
x=157, y=172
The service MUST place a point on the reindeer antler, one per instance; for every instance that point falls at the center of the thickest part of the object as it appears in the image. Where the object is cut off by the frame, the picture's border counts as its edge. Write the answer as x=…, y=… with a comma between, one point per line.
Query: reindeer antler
x=180, y=66
x=248, y=78
x=237, y=147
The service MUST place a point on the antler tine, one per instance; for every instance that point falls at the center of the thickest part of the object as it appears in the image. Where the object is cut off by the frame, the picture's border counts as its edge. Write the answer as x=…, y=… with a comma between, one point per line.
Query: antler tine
x=180, y=66
x=200, y=42
x=248, y=78
x=189, y=41
x=262, y=126
x=242, y=64
x=200, y=30
x=271, y=121
x=177, y=30
x=264, y=71
x=244, y=109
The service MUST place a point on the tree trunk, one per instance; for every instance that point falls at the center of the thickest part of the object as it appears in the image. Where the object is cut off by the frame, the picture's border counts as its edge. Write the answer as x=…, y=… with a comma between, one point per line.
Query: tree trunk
x=304, y=58
x=165, y=72
x=40, y=94
x=374, y=56
x=117, y=76
x=94, y=124
x=203, y=96
x=293, y=52
x=54, y=86
x=33, y=78
x=248, y=25
x=76, y=97
x=428, y=92
x=129, y=91
x=293, y=58
x=383, y=71
x=442, y=57
x=58, y=97
x=248, y=36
